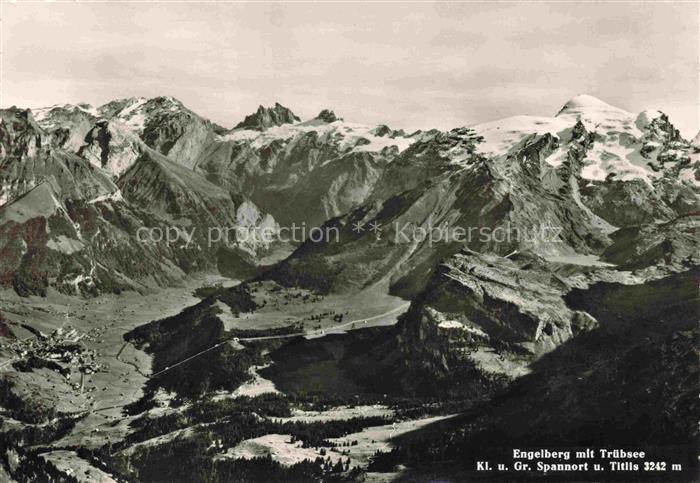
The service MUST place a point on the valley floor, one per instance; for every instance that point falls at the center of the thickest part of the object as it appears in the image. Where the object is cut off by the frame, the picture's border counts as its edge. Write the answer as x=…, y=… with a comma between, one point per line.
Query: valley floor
x=281, y=400
x=96, y=399
x=101, y=323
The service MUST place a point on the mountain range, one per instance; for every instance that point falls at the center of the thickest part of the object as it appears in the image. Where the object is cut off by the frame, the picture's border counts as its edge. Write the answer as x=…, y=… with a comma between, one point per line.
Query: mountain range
x=528, y=273
x=101, y=173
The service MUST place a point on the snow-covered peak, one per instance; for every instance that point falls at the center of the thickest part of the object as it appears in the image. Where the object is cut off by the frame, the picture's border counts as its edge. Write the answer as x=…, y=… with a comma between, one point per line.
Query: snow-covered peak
x=130, y=111
x=624, y=144
x=108, y=110
x=587, y=103
x=41, y=112
x=598, y=116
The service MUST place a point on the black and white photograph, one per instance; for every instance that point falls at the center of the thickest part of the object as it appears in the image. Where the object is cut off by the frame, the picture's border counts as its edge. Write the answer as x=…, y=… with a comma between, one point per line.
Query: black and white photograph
x=349, y=241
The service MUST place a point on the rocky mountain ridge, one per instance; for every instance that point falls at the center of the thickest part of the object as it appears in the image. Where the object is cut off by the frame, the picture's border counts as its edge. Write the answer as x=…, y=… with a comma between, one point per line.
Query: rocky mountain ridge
x=266, y=117
x=516, y=174
x=542, y=262
x=67, y=224
x=587, y=172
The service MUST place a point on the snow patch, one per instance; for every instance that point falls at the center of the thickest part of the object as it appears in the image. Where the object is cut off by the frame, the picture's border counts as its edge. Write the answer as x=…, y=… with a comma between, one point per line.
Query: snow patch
x=689, y=176
x=115, y=196
x=599, y=116
x=133, y=116
x=259, y=385
x=610, y=156
x=279, y=447
x=65, y=245
x=451, y=324
x=339, y=413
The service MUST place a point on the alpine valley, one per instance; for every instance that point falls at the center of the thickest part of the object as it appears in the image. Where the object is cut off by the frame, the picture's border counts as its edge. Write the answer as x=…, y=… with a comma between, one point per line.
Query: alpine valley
x=526, y=282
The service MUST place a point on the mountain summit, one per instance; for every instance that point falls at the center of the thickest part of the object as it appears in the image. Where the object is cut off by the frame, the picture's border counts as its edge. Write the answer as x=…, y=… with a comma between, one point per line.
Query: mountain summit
x=586, y=103
x=327, y=115
x=696, y=140
x=266, y=117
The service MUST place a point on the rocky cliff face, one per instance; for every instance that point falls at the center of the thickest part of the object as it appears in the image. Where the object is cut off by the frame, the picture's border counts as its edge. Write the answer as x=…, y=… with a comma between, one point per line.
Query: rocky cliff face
x=108, y=133
x=81, y=247
x=175, y=131
x=492, y=314
x=326, y=115
x=194, y=205
x=111, y=146
x=304, y=172
x=67, y=124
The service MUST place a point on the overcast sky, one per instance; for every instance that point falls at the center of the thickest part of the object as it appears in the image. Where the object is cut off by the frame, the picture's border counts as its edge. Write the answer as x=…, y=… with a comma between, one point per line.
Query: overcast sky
x=408, y=65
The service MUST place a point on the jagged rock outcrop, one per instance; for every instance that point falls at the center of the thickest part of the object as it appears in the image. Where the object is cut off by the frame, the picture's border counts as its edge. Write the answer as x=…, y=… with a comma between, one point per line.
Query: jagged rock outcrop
x=328, y=116
x=384, y=130
x=172, y=129
x=266, y=117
